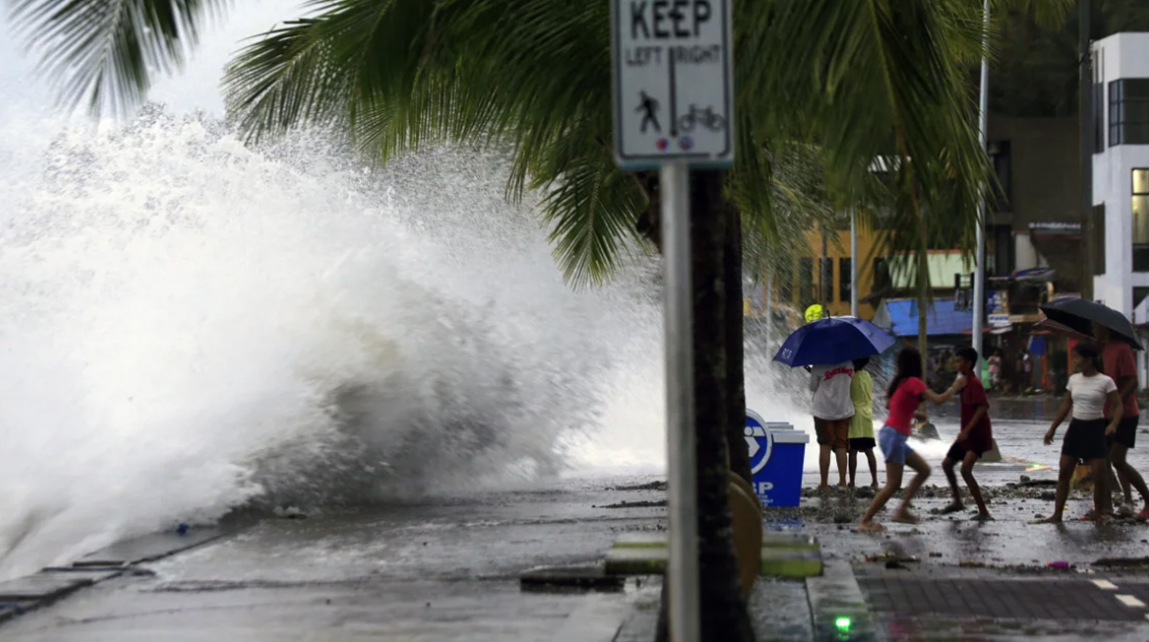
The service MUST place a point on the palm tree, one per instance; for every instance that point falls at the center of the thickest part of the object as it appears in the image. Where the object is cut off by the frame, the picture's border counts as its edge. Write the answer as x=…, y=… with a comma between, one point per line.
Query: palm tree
x=859, y=79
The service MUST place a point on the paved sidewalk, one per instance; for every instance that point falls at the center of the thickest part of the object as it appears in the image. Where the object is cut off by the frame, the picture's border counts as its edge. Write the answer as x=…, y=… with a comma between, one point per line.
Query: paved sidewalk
x=918, y=601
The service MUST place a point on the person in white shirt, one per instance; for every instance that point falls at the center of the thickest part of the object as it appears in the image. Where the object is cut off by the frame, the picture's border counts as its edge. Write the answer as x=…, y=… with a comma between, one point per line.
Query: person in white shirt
x=832, y=410
x=1088, y=393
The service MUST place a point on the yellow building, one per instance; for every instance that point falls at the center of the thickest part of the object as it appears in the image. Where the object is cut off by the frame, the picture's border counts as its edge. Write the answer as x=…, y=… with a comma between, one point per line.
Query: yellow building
x=801, y=285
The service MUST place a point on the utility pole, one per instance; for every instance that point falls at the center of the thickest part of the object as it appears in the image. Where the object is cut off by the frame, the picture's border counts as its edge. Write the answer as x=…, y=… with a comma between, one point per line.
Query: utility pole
x=983, y=208
x=853, y=262
x=825, y=277
x=1085, y=113
x=769, y=308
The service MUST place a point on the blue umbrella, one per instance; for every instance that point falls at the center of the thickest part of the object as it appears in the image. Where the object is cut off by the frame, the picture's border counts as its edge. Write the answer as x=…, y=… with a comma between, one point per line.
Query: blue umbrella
x=833, y=340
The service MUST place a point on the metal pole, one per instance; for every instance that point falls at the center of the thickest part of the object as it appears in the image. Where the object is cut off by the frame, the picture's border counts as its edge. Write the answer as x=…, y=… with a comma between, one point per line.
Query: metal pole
x=826, y=285
x=685, y=609
x=769, y=308
x=983, y=210
x=1085, y=113
x=853, y=262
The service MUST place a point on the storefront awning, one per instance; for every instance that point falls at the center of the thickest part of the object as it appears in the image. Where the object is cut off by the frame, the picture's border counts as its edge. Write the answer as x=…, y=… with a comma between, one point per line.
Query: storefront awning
x=900, y=316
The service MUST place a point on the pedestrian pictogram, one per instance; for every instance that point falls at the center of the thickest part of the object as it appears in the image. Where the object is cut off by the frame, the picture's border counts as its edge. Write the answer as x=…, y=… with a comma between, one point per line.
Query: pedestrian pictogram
x=648, y=107
x=673, y=80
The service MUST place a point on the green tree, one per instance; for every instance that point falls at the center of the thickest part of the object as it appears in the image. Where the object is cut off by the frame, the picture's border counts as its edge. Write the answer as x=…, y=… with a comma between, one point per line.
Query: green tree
x=858, y=79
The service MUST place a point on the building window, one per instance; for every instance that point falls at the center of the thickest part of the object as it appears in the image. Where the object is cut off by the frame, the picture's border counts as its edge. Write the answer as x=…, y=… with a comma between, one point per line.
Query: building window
x=1139, y=295
x=1098, y=240
x=826, y=278
x=1003, y=250
x=844, y=284
x=1141, y=220
x=786, y=281
x=882, y=278
x=1129, y=112
x=1098, y=118
x=805, y=282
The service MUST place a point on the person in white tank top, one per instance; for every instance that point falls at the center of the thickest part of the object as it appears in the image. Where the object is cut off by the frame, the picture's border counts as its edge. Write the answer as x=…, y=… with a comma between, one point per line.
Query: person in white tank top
x=832, y=409
x=1088, y=393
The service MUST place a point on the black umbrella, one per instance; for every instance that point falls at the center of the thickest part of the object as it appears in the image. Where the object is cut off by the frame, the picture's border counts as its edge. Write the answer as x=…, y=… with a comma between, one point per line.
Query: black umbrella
x=1081, y=314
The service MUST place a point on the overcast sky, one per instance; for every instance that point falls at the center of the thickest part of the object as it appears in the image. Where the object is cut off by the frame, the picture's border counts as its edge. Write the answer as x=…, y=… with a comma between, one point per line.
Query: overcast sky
x=21, y=92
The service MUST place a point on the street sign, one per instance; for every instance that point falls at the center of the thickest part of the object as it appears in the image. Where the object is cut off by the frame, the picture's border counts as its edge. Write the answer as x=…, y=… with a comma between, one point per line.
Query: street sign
x=673, y=83
x=999, y=321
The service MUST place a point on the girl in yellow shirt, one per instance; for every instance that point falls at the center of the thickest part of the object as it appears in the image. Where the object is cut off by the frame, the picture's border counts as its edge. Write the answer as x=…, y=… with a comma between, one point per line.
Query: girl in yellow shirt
x=862, y=423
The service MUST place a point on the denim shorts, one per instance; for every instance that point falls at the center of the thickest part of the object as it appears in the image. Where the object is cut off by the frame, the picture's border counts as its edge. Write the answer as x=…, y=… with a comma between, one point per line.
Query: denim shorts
x=894, y=446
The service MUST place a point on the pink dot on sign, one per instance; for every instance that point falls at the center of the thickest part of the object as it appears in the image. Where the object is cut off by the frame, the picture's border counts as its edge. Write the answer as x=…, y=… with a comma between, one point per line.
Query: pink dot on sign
x=686, y=142
x=662, y=144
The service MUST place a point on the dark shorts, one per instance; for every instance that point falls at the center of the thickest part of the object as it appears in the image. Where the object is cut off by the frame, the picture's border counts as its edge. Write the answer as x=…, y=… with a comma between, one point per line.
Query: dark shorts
x=1085, y=439
x=1126, y=433
x=832, y=433
x=958, y=450
x=863, y=443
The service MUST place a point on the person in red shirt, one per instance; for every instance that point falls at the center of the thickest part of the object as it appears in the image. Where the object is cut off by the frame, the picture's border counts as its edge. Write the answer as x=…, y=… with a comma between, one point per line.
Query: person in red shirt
x=905, y=394
x=1118, y=364
x=975, y=438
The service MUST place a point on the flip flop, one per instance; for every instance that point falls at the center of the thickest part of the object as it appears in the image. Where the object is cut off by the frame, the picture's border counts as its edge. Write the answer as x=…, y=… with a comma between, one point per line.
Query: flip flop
x=1143, y=515
x=872, y=527
x=907, y=519
x=982, y=518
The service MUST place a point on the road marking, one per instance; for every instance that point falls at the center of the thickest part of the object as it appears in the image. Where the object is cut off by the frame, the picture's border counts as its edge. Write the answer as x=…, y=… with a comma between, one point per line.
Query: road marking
x=1105, y=585
x=1129, y=600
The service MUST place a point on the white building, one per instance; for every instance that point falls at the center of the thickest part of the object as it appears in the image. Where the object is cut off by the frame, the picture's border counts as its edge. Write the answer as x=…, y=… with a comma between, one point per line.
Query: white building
x=1121, y=178
x=1121, y=173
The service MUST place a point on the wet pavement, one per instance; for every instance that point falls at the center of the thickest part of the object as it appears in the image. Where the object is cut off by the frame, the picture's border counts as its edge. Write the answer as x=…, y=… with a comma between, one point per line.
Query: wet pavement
x=449, y=568
x=439, y=571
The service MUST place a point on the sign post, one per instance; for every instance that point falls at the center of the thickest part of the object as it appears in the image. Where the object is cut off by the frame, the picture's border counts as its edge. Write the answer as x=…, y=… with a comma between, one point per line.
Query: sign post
x=673, y=89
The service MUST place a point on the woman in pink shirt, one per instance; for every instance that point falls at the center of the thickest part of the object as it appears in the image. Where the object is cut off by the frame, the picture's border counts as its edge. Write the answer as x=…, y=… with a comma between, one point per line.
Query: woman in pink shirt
x=905, y=394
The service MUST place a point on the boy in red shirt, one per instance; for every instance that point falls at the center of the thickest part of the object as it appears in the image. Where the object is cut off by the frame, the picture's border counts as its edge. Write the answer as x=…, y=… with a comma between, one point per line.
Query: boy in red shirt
x=974, y=439
x=1118, y=364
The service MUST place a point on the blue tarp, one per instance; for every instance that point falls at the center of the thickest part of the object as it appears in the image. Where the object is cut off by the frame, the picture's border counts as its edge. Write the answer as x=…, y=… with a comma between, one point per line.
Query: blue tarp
x=900, y=316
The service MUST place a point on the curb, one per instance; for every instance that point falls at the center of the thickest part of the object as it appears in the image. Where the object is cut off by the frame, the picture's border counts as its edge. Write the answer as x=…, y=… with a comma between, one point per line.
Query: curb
x=837, y=606
x=783, y=555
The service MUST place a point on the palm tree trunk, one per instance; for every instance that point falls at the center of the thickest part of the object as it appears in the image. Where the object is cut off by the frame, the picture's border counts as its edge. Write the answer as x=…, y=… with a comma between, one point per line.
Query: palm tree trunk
x=724, y=614
x=735, y=373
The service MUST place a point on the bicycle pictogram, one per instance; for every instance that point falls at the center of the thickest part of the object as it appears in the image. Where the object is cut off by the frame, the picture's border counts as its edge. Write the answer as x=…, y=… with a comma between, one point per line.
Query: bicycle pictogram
x=705, y=117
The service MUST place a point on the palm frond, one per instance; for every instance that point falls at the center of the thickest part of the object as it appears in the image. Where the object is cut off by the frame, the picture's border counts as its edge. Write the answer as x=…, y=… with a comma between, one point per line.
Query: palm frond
x=590, y=209
x=862, y=79
x=879, y=78
x=105, y=53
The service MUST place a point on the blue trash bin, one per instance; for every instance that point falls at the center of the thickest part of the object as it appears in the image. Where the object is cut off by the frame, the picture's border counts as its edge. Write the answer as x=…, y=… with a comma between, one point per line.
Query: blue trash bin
x=777, y=455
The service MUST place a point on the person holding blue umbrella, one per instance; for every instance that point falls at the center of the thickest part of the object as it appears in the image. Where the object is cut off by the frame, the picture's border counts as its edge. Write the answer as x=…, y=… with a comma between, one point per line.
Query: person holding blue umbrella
x=828, y=348
x=832, y=408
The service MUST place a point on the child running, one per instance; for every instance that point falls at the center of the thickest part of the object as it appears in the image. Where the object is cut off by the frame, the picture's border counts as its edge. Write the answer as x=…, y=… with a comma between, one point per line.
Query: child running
x=1089, y=392
x=975, y=438
x=862, y=423
x=902, y=399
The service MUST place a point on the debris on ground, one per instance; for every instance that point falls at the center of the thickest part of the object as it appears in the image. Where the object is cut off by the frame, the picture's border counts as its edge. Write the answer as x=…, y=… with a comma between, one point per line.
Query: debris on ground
x=658, y=486
x=659, y=503
x=1123, y=562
